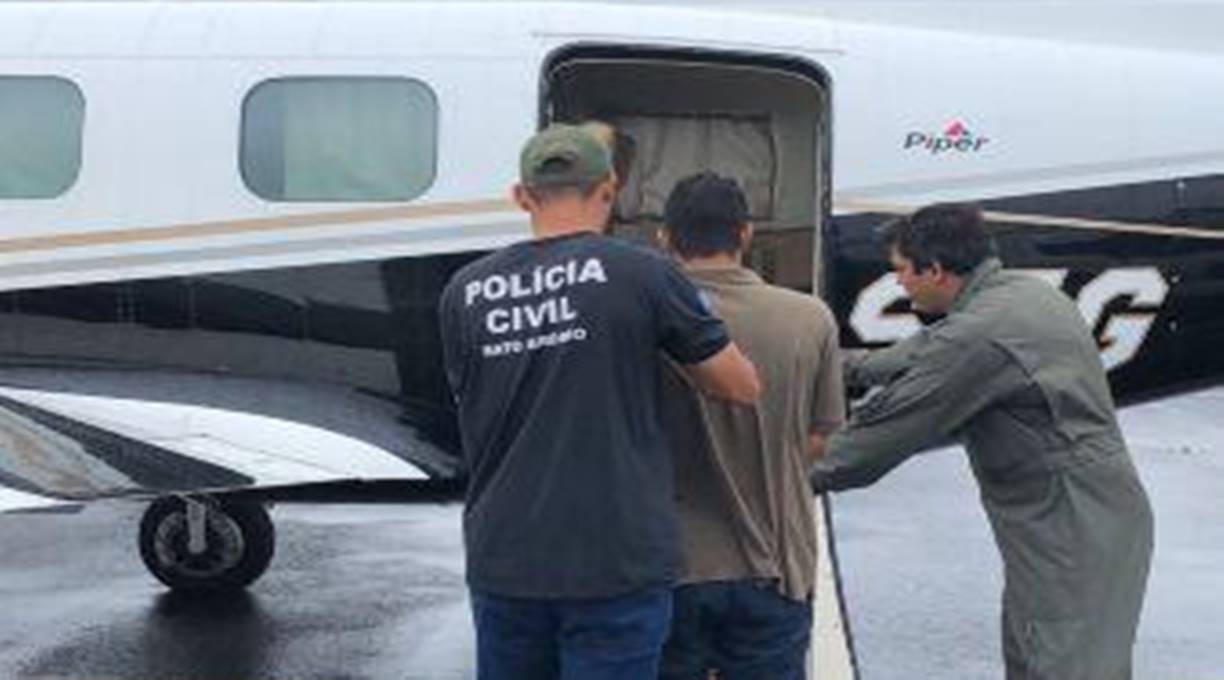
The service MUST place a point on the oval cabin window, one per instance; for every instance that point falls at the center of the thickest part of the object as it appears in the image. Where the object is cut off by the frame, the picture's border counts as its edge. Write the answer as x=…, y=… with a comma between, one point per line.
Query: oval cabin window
x=41, y=119
x=356, y=139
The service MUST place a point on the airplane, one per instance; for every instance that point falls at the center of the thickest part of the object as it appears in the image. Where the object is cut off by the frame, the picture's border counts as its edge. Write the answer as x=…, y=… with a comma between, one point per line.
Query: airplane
x=224, y=227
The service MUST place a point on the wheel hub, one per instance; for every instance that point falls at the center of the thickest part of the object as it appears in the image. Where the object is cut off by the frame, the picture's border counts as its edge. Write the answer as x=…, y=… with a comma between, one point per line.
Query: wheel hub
x=223, y=549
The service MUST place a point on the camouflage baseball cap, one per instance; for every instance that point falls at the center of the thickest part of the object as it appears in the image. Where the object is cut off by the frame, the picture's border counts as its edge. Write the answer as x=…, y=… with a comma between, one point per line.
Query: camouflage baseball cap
x=564, y=155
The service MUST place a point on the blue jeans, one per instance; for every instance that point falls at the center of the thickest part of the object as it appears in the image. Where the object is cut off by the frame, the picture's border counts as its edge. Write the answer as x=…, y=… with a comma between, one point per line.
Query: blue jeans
x=745, y=629
x=617, y=638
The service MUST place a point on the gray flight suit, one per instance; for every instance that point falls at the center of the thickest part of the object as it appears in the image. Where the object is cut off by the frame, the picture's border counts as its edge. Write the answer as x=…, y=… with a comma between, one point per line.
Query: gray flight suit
x=1013, y=373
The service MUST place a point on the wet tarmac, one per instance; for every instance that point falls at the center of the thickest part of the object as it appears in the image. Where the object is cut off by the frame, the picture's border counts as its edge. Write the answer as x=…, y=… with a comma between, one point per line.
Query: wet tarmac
x=355, y=592
x=376, y=592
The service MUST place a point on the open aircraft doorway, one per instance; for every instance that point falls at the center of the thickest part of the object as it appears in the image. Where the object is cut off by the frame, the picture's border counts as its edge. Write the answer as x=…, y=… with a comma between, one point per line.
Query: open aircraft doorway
x=760, y=119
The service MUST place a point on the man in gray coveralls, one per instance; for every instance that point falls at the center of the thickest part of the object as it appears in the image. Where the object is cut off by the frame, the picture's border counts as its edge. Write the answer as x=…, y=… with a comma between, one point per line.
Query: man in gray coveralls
x=1013, y=373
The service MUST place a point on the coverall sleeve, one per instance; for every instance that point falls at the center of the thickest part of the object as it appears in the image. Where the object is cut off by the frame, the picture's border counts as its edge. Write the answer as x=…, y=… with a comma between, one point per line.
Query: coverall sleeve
x=950, y=380
x=877, y=367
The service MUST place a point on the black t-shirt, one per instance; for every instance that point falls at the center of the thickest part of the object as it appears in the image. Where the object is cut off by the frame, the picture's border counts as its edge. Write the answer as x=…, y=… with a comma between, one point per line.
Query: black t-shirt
x=553, y=353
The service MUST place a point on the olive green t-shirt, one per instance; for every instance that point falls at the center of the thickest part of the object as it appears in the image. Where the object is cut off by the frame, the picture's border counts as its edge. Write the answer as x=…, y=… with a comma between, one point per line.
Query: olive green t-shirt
x=745, y=507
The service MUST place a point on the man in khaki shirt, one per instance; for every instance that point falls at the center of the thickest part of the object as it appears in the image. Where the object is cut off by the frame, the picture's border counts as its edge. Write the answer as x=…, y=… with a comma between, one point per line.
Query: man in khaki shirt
x=744, y=605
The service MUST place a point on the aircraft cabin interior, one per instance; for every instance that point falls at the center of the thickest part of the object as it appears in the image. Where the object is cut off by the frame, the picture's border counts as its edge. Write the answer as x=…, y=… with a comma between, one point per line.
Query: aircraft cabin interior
x=764, y=126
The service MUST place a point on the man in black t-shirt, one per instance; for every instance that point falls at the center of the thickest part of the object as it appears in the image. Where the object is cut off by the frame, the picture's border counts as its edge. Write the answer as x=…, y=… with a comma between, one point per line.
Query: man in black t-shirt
x=553, y=353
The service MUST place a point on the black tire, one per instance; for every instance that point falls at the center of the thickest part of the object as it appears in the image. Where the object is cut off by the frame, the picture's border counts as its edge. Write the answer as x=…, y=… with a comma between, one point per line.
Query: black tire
x=240, y=543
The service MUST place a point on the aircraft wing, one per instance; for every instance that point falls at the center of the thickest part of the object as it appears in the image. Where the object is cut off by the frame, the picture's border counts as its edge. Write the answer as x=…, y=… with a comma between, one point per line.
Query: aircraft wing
x=12, y=500
x=71, y=436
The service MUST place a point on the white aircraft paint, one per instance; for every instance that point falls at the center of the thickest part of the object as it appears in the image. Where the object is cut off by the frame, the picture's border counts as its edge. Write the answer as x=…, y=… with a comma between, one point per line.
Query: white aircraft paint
x=1121, y=339
x=12, y=499
x=271, y=450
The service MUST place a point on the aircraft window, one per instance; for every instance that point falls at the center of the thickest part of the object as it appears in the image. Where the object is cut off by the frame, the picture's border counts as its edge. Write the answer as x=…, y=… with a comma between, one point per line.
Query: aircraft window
x=339, y=139
x=41, y=119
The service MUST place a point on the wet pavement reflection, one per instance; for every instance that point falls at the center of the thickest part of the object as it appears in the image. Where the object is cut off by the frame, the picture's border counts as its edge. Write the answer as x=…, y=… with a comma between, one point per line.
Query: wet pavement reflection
x=376, y=592
x=355, y=592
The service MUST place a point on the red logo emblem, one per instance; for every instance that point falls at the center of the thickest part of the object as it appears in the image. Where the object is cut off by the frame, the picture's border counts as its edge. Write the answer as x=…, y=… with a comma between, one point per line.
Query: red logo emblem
x=956, y=139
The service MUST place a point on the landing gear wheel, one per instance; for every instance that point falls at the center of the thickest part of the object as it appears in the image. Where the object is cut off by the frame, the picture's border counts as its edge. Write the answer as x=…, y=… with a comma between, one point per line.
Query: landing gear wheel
x=233, y=543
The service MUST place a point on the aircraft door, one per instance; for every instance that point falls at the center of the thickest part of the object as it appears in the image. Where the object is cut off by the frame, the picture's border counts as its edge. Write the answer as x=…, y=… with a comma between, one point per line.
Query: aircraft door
x=760, y=120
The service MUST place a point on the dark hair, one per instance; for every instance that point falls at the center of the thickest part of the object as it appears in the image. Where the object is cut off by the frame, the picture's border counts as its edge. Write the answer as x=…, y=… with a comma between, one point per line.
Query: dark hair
x=952, y=234
x=705, y=215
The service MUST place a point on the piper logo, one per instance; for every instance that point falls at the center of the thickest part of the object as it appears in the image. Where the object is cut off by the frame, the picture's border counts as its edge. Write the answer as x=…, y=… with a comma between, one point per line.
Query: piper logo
x=956, y=138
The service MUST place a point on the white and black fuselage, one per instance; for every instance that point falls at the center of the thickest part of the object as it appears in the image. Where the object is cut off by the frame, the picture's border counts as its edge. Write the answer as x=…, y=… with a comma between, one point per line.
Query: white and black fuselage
x=173, y=318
